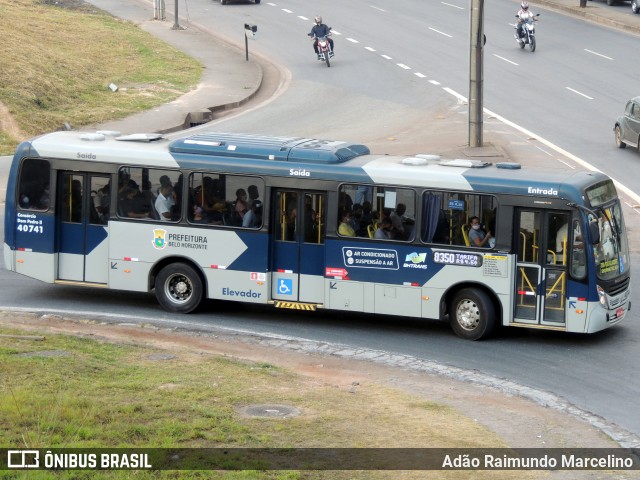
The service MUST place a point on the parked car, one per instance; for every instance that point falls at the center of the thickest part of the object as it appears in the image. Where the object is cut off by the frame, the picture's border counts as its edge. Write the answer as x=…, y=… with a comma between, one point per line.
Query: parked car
x=627, y=127
x=614, y=2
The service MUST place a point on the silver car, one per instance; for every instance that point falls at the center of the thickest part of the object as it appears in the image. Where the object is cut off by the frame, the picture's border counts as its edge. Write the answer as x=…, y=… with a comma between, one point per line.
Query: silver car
x=627, y=126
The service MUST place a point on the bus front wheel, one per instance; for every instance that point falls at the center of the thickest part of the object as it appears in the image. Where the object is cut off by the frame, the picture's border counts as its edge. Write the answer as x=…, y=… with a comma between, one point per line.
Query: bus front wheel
x=179, y=288
x=472, y=314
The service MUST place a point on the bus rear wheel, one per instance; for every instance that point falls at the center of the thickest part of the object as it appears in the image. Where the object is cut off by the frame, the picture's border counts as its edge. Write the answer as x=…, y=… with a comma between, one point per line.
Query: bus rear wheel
x=472, y=314
x=179, y=288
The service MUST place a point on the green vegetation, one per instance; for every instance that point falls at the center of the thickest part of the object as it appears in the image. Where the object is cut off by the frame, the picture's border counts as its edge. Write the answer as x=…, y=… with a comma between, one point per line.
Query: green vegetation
x=112, y=395
x=59, y=58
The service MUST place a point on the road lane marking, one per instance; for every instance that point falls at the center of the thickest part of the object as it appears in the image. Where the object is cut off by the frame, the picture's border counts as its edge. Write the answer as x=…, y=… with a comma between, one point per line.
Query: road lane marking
x=418, y=74
x=302, y=17
x=378, y=8
x=402, y=65
x=353, y=40
x=579, y=93
x=454, y=6
x=598, y=54
x=441, y=33
x=434, y=82
x=286, y=10
x=386, y=57
x=370, y=49
x=461, y=98
x=502, y=58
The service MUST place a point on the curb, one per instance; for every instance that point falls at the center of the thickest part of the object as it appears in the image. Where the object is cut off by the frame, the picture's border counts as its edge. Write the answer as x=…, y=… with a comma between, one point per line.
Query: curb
x=585, y=14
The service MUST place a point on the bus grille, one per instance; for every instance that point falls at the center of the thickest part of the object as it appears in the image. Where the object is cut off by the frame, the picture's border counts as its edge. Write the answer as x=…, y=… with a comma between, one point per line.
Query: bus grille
x=618, y=289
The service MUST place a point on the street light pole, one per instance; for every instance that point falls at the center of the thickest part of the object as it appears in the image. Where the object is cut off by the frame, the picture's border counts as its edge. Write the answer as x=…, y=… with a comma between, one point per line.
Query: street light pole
x=176, y=25
x=476, y=73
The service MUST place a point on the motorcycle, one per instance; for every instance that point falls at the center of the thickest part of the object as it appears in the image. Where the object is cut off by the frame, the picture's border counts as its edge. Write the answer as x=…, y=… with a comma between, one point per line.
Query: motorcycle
x=324, y=49
x=528, y=32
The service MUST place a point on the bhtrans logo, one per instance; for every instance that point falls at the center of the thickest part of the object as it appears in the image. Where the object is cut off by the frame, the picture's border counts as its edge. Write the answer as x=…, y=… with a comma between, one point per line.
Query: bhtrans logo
x=542, y=191
x=23, y=459
x=415, y=260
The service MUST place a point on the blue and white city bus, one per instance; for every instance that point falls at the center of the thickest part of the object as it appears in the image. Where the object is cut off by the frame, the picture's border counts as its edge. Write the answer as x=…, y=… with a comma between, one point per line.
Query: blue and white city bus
x=304, y=224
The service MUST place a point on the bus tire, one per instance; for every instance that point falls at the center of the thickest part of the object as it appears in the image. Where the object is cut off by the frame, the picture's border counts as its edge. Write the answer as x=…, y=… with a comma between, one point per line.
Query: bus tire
x=472, y=314
x=179, y=288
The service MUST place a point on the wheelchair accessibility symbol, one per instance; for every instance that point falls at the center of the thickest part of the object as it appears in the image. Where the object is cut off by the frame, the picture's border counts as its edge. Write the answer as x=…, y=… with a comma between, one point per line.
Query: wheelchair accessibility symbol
x=285, y=286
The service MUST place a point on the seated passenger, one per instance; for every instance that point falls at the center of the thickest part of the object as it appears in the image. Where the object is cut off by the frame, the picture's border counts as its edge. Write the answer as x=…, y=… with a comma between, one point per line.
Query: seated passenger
x=384, y=230
x=477, y=236
x=345, y=229
x=253, y=218
x=131, y=204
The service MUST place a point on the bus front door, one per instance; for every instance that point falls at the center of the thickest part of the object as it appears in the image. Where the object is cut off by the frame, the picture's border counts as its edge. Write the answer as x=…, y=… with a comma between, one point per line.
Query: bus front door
x=541, y=268
x=298, y=246
x=82, y=216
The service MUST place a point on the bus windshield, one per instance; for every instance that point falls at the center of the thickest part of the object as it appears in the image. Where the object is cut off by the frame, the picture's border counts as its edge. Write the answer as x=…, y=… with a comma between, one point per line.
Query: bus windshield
x=611, y=252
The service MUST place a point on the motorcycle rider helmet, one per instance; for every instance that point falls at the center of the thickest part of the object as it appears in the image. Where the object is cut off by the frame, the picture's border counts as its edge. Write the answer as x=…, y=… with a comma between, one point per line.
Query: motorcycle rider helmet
x=524, y=5
x=318, y=19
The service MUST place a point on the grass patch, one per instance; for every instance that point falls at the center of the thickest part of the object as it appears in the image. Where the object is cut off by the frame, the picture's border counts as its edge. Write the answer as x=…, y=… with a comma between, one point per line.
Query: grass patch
x=113, y=395
x=58, y=63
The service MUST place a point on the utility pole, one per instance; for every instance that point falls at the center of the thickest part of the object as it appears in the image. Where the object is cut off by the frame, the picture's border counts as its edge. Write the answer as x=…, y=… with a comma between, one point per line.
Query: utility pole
x=176, y=25
x=476, y=73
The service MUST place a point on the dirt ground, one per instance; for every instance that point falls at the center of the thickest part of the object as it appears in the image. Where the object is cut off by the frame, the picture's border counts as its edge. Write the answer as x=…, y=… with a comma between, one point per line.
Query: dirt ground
x=519, y=422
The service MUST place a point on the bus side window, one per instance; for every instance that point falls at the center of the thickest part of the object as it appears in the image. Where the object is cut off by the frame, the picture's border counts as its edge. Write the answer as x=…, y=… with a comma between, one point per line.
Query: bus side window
x=578, y=257
x=34, y=188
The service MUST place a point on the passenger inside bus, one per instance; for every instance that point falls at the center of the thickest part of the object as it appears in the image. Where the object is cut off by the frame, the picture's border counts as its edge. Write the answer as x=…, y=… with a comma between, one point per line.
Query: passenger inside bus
x=241, y=206
x=401, y=224
x=132, y=204
x=291, y=221
x=165, y=202
x=384, y=230
x=45, y=198
x=310, y=221
x=253, y=218
x=345, y=228
x=357, y=221
x=254, y=194
x=367, y=217
x=477, y=236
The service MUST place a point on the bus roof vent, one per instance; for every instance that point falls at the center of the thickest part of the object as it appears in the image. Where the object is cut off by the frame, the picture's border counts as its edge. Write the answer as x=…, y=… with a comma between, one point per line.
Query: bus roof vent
x=140, y=137
x=430, y=157
x=465, y=163
x=415, y=161
x=109, y=133
x=92, y=137
x=509, y=165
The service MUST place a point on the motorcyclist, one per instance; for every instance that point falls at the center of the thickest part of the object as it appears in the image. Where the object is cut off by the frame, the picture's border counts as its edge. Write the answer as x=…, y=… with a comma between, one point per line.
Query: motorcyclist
x=523, y=15
x=320, y=30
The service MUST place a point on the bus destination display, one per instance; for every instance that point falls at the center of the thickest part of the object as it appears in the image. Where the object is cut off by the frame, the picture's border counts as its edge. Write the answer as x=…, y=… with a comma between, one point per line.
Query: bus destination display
x=456, y=258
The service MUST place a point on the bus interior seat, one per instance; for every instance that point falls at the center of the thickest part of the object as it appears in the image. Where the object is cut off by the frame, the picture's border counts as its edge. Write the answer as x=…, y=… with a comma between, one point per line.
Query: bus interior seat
x=371, y=230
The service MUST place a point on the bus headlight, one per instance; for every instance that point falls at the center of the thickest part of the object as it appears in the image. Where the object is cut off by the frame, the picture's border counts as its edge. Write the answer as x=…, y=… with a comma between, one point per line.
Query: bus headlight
x=603, y=296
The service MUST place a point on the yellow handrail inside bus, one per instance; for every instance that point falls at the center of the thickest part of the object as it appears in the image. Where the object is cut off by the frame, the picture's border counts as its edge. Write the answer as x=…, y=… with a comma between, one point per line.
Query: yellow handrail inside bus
x=465, y=234
x=561, y=281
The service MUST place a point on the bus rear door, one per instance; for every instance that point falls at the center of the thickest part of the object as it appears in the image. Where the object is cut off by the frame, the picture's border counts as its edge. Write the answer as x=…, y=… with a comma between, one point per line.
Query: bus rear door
x=82, y=228
x=298, y=246
x=541, y=268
